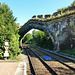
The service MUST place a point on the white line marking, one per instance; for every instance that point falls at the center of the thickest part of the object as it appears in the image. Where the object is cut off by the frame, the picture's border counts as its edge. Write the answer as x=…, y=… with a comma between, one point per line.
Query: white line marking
x=25, y=68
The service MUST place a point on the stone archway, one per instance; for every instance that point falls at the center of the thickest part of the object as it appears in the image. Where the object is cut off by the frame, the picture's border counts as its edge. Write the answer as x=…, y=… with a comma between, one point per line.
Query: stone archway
x=41, y=26
x=61, y=30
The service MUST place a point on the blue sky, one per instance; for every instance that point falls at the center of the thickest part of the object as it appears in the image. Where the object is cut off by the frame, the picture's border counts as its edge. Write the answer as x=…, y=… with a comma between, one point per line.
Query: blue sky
x=25, y=9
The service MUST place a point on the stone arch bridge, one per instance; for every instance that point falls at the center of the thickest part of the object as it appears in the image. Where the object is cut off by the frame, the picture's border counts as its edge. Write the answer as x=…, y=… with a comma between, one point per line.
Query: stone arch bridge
x=61, y=30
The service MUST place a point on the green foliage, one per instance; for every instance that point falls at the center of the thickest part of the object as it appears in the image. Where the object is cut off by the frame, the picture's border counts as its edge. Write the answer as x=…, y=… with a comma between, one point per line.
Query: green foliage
x=62, y=9
x=8, y=32
x=39, y=38
x=73, y=4
x=71, y=52
x=59, y=10
x=1, y=53
x=28, y=38
x=53, y=17
x=56, y=17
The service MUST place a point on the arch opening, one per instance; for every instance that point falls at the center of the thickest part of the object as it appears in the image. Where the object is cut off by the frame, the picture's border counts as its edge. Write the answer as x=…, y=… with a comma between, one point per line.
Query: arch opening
x=38, y=38
x=30, y=25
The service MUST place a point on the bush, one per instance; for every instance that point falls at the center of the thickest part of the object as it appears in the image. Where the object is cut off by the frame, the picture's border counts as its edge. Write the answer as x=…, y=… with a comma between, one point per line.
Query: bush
x=39, y=38
x=1, y=54
x=8, y=32
x=71, y=52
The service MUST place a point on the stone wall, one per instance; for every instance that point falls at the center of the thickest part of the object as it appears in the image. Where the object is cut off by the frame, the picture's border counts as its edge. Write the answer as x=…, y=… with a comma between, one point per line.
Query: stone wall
x=61, y=30
x=64, y=30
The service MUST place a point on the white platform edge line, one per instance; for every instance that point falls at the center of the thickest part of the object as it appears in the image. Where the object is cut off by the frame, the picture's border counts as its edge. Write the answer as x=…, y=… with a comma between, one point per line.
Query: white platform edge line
x=25, y=68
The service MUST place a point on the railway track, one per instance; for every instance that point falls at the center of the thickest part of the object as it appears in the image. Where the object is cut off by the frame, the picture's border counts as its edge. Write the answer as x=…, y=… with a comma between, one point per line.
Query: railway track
x=60, y=58
x=66, y=56
x=69, y=67
x=60, y=65
x=38, y=65
x=31, y=65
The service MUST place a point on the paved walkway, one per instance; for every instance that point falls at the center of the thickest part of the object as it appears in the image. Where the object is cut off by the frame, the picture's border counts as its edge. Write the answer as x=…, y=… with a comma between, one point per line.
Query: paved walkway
x=8, y=68
x=21, y=70
x=14, y=68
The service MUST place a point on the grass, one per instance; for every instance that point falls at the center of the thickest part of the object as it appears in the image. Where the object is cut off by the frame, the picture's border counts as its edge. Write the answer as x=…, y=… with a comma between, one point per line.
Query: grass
x=70, y=52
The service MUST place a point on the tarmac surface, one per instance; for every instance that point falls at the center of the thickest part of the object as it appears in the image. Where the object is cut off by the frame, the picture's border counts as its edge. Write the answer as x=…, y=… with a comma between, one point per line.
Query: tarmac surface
x=9, y=67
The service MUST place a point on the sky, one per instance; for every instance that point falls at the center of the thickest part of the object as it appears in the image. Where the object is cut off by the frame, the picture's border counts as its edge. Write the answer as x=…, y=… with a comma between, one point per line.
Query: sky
x=25, y=9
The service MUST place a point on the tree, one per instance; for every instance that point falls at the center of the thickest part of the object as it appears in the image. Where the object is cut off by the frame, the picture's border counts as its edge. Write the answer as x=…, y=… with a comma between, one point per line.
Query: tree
x=8, y=31
x=43, y=40
x=28, y=38
x=39, y=38
x=73, y=4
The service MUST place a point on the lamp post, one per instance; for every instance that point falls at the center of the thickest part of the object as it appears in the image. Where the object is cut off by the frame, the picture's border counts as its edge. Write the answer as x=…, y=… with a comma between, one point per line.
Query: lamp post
x=6, y=54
